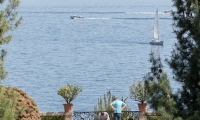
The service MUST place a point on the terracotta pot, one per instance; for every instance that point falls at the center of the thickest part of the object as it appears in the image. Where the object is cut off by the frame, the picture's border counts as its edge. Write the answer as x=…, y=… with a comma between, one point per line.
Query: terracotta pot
x=68, y=107
x=143, y=107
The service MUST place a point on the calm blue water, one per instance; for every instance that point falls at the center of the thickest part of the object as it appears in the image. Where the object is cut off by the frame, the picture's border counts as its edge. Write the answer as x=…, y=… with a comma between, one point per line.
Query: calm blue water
x=108, y=50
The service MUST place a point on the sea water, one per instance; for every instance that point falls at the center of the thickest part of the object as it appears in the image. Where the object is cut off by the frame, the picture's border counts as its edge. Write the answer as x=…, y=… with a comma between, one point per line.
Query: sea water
x=108, y=50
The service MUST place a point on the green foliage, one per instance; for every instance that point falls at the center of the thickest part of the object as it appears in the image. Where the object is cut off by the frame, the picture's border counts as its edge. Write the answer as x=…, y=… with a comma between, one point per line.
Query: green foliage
x=157, y=85
x=138, y=92
x=127, y=116
x=196, y=116
x=69, y=92
x=3, y=73
x=104, y=104
x=185, y=61
x=9, y=20
x=6, y=106
x=9, y=99
x=155, y=117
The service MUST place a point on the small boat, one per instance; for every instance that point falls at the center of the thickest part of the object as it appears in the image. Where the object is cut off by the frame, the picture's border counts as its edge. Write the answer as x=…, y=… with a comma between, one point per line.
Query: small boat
x=156, y=40
x=168, y=11
x=77, y=17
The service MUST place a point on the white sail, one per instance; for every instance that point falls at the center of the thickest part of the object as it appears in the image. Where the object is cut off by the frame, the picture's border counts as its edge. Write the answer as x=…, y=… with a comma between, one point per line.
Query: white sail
x=156, y=40
x=156, y=34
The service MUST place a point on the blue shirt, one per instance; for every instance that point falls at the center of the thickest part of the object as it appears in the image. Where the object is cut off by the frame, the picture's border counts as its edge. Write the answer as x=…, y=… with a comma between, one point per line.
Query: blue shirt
x=118, y=104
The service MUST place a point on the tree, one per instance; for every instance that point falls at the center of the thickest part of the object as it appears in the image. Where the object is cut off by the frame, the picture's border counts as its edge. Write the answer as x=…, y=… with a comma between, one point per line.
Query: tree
x=158, y=86
x=9, y=20
x=185, y=58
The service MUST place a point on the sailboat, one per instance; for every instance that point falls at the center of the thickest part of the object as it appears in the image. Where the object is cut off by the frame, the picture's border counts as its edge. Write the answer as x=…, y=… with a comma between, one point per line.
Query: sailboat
x=156, y=40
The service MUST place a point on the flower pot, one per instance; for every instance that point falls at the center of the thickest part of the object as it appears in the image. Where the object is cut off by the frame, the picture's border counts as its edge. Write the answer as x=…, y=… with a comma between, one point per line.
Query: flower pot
x=143, y=107
x=68, y=107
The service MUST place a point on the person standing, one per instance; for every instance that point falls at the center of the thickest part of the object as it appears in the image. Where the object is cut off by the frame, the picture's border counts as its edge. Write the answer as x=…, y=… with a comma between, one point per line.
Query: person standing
x=103, y=116
x=117, y=105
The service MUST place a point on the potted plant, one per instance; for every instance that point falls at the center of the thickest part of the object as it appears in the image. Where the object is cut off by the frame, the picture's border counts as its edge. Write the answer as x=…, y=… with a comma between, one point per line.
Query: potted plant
x=69, y=93
x=138, y=93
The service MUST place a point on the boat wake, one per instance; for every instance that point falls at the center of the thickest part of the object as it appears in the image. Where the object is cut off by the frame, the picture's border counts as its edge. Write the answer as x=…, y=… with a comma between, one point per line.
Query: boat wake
x=98, y=18
x=146, y=13
x=131, y=18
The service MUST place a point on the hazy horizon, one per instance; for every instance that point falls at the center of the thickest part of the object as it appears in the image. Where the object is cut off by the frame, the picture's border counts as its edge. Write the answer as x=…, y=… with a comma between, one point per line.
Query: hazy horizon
x=91, y=2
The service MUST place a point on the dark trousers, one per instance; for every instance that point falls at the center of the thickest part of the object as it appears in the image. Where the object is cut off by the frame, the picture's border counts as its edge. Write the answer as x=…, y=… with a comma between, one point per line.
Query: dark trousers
x=117, y=116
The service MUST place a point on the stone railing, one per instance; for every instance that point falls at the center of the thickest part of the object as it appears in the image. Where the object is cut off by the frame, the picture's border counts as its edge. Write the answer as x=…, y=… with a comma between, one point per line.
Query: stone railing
x=79, y=115
x=94, y=115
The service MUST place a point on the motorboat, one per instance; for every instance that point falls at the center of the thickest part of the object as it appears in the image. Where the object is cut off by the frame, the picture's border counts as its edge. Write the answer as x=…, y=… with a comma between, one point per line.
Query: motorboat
x=77, y=17
x=168, y=11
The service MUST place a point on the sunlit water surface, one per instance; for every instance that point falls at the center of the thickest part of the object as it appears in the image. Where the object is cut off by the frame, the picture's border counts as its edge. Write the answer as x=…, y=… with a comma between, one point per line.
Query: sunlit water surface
x=107, y=50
